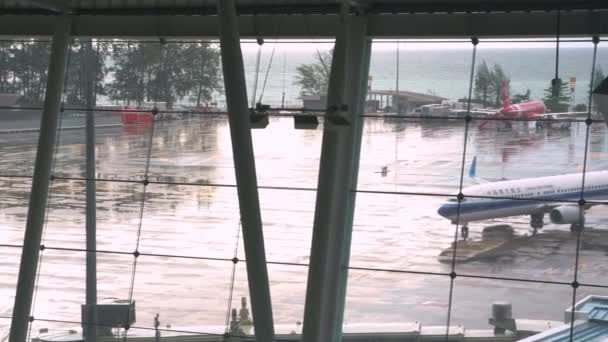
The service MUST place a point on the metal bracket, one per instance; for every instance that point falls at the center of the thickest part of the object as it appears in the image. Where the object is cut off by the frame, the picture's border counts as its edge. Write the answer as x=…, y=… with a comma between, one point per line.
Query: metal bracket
x=258, y=116
x=305, y=121
x=335, y=117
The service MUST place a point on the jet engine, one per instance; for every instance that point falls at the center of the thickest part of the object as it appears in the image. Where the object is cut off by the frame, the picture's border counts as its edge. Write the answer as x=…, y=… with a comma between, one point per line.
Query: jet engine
x=567, y=214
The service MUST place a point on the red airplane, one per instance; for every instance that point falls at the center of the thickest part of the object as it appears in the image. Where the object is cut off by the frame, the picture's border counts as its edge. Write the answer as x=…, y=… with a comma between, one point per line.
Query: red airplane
x=525, y=110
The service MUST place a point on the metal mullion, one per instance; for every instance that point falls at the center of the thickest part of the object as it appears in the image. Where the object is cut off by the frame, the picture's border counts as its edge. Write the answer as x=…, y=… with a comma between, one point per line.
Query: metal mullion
x=460, y=197
x=40, y=184
x=245, y=171
x=579, y=233
x=145, y=184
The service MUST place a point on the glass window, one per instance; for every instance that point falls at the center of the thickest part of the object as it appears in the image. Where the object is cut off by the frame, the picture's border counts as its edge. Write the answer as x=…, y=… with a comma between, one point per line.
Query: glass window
x=167, y=204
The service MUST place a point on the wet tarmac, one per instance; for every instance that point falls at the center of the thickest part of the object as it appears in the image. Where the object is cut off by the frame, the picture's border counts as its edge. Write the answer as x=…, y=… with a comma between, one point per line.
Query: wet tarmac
x=189, y=232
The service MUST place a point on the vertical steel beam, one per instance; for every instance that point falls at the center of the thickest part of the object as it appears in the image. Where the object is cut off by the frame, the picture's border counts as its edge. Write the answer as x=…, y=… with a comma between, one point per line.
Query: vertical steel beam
x=90, y=331
x=338, y=170
x=40, y=181
x=396, y=82
x=244, y=164
x=360, y=52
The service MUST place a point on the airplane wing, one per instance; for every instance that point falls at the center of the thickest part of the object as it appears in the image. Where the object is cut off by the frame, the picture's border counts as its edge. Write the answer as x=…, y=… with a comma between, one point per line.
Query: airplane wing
x=562, y=115
x=561, y=120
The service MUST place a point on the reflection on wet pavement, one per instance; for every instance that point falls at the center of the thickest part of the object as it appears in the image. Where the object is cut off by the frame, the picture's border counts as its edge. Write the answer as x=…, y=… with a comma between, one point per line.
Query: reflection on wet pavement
x=200, y=223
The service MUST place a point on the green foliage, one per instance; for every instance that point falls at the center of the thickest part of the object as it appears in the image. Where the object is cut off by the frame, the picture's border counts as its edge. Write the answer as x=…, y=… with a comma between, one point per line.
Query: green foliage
x=192, y=70
x=483, y=82
x=189, y=70
x=7, y=84
x=598, y=77
x=517, y=98
x=560, y=101
x=487, y=86
x=23, y=69
x=75, y=87
x=313, y=78
x=203, y=72
x=581, y=107
x=498, y=76
x=134, y=67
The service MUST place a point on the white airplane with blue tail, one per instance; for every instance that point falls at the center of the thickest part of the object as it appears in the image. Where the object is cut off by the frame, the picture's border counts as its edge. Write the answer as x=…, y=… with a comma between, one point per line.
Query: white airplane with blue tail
x=557, y=195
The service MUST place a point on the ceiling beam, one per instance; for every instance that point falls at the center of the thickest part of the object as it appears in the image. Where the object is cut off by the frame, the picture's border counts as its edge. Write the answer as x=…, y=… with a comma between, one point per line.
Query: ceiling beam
x=53, y=7
x=533, y=24
x=49, y=6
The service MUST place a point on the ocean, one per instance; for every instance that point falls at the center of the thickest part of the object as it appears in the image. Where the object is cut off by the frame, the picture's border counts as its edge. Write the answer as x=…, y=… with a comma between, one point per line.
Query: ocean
x=441, y=69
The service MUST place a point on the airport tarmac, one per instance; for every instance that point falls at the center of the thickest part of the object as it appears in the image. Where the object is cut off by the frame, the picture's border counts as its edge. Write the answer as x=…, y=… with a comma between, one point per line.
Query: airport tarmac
x=189, y=233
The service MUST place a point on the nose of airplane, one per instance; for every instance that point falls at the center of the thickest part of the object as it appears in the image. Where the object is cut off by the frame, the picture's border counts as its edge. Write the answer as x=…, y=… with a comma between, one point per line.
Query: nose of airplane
x=443, y=210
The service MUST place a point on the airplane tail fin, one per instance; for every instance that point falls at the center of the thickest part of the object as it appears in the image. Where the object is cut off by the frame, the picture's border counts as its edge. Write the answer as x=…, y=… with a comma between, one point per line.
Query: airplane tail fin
x=473, y=169
x=504, y=92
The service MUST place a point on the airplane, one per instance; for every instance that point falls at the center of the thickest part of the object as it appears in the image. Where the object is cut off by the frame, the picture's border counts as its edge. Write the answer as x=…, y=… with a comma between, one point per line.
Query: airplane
x=530, y=196
x=527, y=110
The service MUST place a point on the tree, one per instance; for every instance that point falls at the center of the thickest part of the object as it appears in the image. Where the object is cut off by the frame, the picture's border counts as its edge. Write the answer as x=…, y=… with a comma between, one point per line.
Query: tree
x=147, y=58
x=557, y=101
x=483, y=82
x=498, y=76
x=23, y=69
x=194, y=71
x=128, y=76
x=313, y=78
x=488, y=84
x=75, y=87
x=36, y=71
x=168, y=72
x=517, y=98
x=581, y=107
x=6, y=68
x=203, y=64
x=598, y=77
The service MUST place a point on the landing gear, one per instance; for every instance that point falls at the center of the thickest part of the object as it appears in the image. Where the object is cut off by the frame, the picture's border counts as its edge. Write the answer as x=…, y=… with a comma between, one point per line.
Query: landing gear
x=577, y=227
x=536, y=222
x=464, y=232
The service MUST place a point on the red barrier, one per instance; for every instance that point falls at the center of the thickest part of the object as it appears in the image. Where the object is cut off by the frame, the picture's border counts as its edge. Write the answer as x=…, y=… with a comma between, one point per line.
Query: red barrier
x=130, y=117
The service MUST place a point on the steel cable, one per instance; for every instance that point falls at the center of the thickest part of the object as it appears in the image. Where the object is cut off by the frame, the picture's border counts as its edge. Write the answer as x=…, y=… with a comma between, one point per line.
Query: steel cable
x=581, y=204
x=460, y=196
x=145, y=186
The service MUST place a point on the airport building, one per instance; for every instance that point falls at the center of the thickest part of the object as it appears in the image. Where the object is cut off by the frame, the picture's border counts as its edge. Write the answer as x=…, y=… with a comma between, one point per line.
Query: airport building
x=291, y=170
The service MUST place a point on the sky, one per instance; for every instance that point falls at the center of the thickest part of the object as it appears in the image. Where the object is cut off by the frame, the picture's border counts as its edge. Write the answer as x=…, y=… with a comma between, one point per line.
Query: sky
x=427, y=44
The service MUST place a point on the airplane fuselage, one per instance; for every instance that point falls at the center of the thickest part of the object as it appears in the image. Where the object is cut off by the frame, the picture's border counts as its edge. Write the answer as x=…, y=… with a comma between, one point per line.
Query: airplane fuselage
x=526, y=110
x=524, y=196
